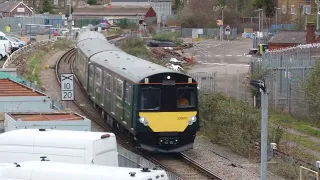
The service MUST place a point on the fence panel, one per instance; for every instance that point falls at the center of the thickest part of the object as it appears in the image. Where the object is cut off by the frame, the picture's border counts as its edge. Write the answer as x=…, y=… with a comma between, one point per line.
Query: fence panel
x=15, y=21
x=209, y=33
x=286, y=70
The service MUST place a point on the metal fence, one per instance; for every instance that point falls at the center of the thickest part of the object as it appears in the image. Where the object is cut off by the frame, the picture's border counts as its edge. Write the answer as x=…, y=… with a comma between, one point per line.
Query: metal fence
x=286, y=69
x=129, y=159
x=235, y=85
x=209, y=33
x=15, y=21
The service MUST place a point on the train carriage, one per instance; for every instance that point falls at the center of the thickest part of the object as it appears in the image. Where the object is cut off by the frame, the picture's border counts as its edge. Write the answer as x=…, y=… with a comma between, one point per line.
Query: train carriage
x=141, y=98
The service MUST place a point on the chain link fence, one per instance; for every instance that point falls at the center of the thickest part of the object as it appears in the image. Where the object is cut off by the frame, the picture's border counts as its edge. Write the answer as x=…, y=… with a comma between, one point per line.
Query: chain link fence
x=285, y=70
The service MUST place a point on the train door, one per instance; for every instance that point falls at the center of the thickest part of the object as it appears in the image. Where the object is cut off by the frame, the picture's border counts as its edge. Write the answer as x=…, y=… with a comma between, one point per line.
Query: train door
x=113, y=95
x=97, y=86
x=127, y=104
x=90, y=84
x=119, y=99
x=107, y=88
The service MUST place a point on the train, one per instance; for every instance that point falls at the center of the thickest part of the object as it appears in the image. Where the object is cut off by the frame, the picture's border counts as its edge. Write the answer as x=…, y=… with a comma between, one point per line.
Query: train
x=154, y=105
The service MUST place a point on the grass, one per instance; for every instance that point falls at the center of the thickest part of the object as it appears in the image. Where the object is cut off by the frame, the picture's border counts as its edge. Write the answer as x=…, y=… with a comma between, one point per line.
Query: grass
x=34, y=68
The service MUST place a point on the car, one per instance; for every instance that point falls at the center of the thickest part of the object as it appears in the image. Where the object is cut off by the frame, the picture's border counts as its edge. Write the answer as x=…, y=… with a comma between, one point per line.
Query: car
x=20, y=43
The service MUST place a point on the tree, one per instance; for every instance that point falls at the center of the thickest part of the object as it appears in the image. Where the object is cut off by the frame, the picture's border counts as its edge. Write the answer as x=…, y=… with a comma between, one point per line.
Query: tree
x=267, y=5
x=92, y=2
x=46, y=6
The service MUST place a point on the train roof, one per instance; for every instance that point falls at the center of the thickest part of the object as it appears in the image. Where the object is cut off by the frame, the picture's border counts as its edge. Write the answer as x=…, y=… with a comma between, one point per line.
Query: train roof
x=93, y=46
x=128, y=66
x=90, y=35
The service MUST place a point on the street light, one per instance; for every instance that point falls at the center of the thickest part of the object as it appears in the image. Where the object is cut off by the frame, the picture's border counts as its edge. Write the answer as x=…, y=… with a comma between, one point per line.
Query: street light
x=264, y=126
x=260, y=10
x=277, y=15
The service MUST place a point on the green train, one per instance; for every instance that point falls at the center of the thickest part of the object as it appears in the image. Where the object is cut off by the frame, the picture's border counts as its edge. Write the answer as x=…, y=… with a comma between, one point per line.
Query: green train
x=154, y=105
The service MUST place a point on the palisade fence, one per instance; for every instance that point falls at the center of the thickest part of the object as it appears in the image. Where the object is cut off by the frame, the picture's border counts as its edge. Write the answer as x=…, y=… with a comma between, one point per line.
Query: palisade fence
x=126, y=158
x=210, y=33
x=286, y=70
x=233, y=85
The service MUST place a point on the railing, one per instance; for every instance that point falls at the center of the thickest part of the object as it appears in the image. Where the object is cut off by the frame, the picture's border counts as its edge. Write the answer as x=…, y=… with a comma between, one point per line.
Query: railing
x=25, y=53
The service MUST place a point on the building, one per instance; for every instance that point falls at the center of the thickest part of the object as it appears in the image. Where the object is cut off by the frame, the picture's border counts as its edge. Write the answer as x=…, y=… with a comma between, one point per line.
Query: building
x=111, y=13
x=163, y=8
x=14, y=8
x=285, y=39
x=294, y=7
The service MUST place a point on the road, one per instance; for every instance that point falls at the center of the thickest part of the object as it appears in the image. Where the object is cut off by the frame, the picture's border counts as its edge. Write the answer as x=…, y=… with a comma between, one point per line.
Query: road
x=213, y=55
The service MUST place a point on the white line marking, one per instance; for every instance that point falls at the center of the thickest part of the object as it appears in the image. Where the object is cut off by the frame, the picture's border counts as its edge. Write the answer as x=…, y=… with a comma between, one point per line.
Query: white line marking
x=228, y=55
x=226, y=64
x=239, y=55
x=217, y=55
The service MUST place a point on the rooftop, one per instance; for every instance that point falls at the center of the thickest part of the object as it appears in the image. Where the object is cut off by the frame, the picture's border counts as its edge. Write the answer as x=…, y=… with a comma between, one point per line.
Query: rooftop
x=45, y=116
x=112, y=11
x=12, y=88
x=289, y=37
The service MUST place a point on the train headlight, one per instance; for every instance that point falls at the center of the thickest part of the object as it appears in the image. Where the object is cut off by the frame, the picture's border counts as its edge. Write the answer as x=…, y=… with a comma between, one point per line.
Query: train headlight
x=192, y=120
x=144, y=121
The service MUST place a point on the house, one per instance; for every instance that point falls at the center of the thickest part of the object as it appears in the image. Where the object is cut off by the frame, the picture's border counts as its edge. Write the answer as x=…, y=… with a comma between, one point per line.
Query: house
x=163, y=8
x=294, y=7
x=286, y=39
x=14, y=8
x=132, y=13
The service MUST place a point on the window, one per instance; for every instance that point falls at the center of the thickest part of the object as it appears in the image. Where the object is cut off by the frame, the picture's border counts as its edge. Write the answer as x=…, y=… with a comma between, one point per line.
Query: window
x=3, y=38
x=98, y=76
x=107, y=81
x=119, y=88
x=127, y=96
x=186, y=97
x=292, y=9
x=150, y=98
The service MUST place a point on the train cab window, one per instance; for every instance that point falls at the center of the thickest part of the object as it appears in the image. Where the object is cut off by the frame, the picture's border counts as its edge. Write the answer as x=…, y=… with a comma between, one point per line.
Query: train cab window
x=186, y=97
x=119, y=88
x=107, y=81
x=98, y=76
x=150, y=98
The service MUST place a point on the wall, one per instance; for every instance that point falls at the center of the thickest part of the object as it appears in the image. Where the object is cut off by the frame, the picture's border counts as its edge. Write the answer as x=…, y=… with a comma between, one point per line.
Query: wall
x=25, y=104
x=273, y=46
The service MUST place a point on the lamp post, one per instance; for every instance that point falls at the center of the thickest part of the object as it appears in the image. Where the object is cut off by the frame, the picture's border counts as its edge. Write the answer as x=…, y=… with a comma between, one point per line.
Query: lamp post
x=277, y=15
x=259, y=10
x=264, y=126
x=317, y=3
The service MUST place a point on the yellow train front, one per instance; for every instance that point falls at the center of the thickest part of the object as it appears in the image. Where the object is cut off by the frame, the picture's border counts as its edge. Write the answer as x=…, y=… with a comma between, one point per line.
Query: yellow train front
x=167, y=113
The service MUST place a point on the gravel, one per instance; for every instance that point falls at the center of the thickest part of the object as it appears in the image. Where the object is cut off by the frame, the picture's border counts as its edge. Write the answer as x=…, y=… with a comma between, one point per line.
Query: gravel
x=224, y=162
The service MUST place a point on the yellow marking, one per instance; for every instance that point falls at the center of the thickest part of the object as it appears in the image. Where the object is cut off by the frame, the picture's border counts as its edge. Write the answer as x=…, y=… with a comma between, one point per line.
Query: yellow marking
x=168, y=121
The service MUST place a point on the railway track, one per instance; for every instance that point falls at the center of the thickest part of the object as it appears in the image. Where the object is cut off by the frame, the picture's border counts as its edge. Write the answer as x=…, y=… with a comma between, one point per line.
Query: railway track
x=179, y=166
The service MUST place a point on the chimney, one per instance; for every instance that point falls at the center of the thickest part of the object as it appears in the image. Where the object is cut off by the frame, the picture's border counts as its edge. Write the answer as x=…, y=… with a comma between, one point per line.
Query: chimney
x=311, y=36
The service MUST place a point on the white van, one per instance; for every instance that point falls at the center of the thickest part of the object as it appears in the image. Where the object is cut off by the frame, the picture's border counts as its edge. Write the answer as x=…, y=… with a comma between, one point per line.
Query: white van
x=80, y=147
x=47, y=170
x=3, y=50
x=4, y=39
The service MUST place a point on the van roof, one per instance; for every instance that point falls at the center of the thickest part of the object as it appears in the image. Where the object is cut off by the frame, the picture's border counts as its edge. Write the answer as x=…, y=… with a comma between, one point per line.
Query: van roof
x=59, y=137
x=85, y=171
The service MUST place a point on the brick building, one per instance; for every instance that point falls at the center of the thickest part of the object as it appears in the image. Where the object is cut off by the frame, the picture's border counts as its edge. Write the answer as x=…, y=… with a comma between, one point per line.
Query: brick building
x=14, y=8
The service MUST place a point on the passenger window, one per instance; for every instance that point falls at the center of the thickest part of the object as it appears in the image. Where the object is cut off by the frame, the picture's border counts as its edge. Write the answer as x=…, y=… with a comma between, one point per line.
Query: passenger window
x=119, y=88
x=150, y=99
x=107, y=81
x=186, y=97
x=98, y=76
x=127, y=96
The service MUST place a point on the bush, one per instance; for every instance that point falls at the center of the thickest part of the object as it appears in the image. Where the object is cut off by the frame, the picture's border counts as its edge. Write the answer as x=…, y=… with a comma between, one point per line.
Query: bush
x=168, y=36
x=229, y=122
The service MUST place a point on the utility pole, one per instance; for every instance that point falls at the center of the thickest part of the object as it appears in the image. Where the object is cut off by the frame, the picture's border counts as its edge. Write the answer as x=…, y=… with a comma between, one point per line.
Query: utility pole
x=221, y=27
x=317, y=3
x=260, y=27
x=264, y=126
x=276, y=17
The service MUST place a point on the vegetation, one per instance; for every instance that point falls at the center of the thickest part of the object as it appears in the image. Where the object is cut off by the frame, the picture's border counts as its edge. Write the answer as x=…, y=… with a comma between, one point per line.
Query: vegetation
x=92, y=2
x=34, y=68
x=204, y=13
x=136, y=47
x=168, y=36
x=47, y=6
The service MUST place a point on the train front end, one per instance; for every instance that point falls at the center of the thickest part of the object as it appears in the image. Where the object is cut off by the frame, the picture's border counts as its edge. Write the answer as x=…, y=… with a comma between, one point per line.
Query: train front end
x=167, y=118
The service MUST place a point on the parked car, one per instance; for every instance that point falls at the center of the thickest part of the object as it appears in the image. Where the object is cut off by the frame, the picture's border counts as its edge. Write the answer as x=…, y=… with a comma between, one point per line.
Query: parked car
x=20, y=43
